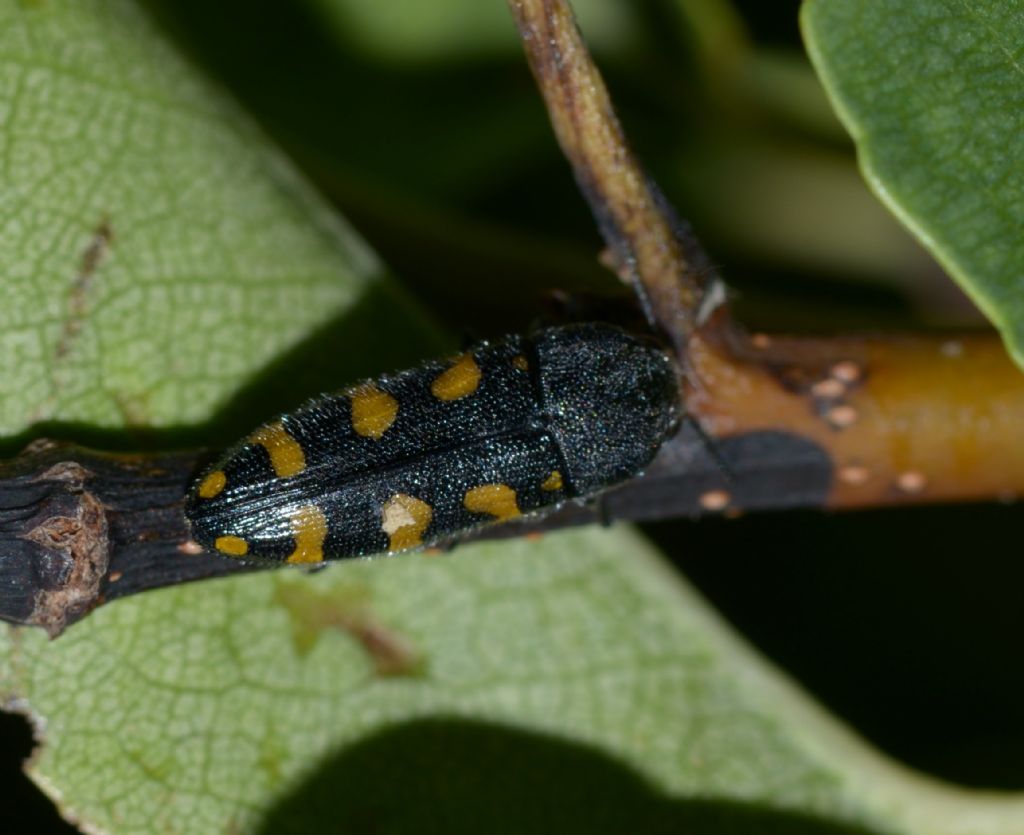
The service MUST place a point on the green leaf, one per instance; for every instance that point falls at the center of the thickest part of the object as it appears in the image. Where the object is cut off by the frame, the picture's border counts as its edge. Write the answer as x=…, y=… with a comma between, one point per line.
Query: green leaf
x=156, y=252
x=572, y=684
x=931, y=93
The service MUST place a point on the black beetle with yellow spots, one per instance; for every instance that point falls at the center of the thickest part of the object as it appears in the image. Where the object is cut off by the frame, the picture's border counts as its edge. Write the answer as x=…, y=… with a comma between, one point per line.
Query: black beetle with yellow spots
x=508, y=428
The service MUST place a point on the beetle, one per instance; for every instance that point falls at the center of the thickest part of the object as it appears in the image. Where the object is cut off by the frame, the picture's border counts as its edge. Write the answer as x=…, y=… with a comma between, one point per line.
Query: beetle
x=511, y=427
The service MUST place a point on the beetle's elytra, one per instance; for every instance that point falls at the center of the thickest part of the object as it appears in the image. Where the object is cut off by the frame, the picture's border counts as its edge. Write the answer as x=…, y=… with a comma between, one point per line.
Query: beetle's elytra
x=419, y=457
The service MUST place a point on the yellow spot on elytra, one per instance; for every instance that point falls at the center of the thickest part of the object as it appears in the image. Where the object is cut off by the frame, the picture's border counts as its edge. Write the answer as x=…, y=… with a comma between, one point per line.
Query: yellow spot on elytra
x=404, y=519
x=520, y=362
x=233, y=545
x=286, y=456
x=373, y=411
x=553, y=481
x=458, y=381
x=212, y=484
x=498, y=500
x=309, y=527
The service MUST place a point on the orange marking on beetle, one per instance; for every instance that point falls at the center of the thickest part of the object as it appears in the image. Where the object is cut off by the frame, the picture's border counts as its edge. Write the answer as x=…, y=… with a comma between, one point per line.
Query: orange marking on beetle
x=461, y=380
x=212, y=484
x=404, y=519
x=553, y=481
x=373, y=411
x=520, y=362
x=497, y=500
x=309, y=526
x=234, y=546
x=286, y=456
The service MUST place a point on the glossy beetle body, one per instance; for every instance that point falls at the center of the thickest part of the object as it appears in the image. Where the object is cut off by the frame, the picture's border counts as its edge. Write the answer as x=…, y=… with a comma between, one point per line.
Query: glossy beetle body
x=510, y=427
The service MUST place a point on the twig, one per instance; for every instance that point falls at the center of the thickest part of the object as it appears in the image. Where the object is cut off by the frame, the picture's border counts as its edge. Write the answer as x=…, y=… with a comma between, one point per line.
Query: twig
x=838, y=423
x=900, y=419
x=651, y=249
x=846, y=422
x=80, y=528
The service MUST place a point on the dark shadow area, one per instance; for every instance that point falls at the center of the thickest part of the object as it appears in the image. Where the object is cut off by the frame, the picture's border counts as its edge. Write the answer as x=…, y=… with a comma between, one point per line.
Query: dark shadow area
x=448, y=167
x=907, y=624
x=380, y=332
x=776, y=25
x=454, y=775
x=26, y=810
x=338, y=107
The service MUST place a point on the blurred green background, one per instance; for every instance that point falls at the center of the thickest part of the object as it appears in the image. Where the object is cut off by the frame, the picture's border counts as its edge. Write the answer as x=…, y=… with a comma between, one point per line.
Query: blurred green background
x=421, y=122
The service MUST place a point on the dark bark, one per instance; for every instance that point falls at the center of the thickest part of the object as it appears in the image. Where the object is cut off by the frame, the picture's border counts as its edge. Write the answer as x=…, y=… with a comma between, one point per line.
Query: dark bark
x=80, y=528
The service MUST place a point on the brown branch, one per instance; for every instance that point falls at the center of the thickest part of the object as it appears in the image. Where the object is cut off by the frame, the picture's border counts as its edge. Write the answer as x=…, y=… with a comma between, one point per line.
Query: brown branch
x=901, y=419
x=80, y=528
x=651, y=249
x=851, y=422
x=844, y=422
